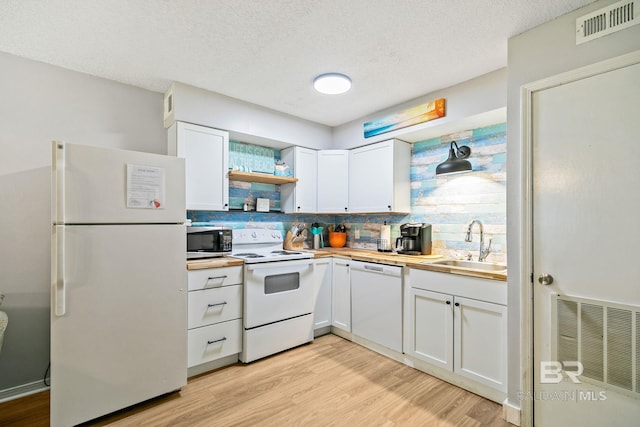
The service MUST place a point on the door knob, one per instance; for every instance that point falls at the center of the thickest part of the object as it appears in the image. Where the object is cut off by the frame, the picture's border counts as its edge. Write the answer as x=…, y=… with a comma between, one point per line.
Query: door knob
x=545, y=279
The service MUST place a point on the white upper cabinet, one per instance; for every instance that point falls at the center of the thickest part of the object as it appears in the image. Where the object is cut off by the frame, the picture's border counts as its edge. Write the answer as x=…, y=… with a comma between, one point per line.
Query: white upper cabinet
x=333, y=181
x=301, y=196
x=379, y=178
x=206, y=153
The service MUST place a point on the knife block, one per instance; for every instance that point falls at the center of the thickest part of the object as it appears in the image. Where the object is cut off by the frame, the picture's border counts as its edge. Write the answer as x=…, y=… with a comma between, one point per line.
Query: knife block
x=289, y=243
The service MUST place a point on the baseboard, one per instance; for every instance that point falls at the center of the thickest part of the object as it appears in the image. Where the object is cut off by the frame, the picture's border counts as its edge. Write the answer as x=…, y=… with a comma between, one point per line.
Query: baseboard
x=210, y=366
x=321, y=331
x=342, y=333
x=385, y=351
x=510, y=413
x=22, y=391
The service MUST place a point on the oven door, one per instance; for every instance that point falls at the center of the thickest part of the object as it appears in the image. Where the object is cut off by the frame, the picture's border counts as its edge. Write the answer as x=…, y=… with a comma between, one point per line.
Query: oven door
x=277, y=291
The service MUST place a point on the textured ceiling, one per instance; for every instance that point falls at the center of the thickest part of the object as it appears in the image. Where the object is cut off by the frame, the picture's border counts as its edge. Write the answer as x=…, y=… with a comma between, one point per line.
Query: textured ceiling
x=268, y=52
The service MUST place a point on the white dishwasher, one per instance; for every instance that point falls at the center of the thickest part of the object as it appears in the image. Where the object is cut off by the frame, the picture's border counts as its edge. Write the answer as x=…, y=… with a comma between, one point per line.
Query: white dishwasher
x=376, y=303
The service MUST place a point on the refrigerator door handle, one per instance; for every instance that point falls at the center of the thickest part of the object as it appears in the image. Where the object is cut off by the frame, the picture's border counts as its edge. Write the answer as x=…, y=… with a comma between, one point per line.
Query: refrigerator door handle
x=59, y=291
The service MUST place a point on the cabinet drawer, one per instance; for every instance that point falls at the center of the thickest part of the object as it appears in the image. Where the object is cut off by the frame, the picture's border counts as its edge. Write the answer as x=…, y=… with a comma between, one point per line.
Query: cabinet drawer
x=214, y=277
x=214, y=342
x=214, y=305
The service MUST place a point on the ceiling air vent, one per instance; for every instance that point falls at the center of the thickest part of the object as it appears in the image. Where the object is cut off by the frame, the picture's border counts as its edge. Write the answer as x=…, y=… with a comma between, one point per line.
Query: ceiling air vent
x=607, y=20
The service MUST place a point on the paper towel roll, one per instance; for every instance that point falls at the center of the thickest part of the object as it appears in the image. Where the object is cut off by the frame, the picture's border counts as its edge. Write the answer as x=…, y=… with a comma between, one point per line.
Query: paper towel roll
x=385, y=232
x=384, y=244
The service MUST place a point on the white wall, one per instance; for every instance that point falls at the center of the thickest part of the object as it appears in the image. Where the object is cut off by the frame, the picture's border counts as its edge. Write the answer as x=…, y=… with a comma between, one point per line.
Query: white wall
x=539, y=53
x=462, y=101
x=246, y=122
x=41, y=103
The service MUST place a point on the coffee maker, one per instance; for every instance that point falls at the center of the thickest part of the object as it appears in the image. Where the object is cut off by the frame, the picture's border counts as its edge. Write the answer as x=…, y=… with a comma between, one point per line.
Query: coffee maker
x=415, y=239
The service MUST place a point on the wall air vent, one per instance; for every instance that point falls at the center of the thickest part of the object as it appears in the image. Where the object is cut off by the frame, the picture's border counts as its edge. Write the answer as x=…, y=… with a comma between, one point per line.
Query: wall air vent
x=607, y=20
x=604, y=337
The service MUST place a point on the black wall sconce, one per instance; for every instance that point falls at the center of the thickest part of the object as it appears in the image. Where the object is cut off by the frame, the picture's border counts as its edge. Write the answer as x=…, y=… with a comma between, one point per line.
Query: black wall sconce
x=455, y=163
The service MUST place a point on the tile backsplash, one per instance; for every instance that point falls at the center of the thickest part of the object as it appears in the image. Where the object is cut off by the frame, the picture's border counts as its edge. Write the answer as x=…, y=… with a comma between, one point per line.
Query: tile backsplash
x=451, y=202
x=448, y=203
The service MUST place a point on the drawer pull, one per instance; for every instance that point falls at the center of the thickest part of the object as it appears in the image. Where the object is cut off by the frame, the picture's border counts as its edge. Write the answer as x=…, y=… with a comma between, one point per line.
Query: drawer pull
x=217, y=277
x=216, y=304
x=218, y=340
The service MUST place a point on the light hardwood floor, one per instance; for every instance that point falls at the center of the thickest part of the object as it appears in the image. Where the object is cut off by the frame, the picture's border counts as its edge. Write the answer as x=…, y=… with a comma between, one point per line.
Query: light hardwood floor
x=330, y=382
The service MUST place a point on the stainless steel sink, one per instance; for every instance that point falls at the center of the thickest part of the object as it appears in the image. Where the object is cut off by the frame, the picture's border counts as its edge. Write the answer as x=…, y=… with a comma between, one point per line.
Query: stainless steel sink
x=471, y=265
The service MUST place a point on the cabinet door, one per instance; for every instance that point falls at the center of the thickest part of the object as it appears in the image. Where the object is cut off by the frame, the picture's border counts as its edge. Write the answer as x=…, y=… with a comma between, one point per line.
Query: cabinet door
x=301, y=196
x=333, y=181
x=371, y=178
x=480, y=330
x=341, y=295
x=206, y=153
x=322, y=277
x=431, y=327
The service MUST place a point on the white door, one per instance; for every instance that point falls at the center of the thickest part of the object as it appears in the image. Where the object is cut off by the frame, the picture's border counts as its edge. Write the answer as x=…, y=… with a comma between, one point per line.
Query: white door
x=586, y=174
x=118, y=318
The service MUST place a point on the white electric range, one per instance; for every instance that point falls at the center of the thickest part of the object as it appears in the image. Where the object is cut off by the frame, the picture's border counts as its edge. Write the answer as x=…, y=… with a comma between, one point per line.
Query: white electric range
x=279, y=294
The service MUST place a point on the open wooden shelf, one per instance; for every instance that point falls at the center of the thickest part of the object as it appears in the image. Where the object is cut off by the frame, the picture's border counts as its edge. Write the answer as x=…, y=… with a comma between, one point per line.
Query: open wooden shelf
x=261, y=178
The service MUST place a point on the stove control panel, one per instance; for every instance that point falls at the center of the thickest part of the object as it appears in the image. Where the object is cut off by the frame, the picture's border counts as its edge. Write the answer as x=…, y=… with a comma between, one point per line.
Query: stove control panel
x=256, y=235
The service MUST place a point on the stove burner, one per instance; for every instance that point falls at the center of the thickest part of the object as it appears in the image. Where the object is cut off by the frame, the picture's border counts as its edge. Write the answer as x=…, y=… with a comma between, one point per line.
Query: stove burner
x=285, y=253
x=249, y=255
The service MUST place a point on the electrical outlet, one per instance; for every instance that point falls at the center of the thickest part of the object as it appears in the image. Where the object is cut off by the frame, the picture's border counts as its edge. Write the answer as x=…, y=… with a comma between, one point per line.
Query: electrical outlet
x=357, y=234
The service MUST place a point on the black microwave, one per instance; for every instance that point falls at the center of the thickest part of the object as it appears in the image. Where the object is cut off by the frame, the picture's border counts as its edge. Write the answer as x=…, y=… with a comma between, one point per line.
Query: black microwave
x=208, y=242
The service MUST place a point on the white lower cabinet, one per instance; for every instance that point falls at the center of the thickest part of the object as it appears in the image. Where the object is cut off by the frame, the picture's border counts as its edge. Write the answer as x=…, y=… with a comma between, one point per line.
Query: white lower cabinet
x=465, y=336
x=322, y=269
x=432, y=332
x=480, y=342
x=341, y=294
x=214, y=315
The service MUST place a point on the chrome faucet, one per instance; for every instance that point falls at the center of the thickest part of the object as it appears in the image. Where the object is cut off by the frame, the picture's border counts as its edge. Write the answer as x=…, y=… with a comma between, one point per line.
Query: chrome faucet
x=484, y=252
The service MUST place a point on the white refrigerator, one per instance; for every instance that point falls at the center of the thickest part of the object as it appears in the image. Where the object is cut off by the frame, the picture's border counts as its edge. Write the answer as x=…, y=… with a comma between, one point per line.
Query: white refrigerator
x=118, y=285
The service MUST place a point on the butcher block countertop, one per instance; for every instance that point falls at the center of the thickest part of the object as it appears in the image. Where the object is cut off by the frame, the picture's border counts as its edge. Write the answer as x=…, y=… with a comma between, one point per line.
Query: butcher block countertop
x=391, y=258
x=413, y=261
x=368, y=255
x=198, y=264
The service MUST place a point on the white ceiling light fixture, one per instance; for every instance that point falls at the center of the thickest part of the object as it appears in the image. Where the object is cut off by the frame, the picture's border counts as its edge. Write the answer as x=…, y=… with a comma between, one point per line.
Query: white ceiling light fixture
x=332, y=83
